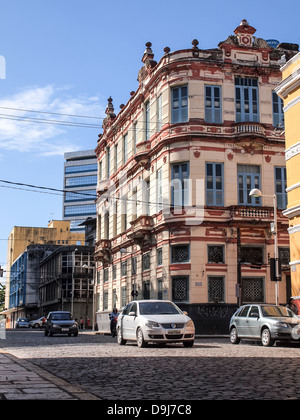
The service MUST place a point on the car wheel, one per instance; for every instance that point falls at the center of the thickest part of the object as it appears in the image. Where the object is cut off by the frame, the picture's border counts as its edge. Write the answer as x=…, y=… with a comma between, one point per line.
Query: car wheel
x=76, y=334
x=188, y=343
x=120, y=339
x=266, y=339
x=140, y=338
x=234, y=336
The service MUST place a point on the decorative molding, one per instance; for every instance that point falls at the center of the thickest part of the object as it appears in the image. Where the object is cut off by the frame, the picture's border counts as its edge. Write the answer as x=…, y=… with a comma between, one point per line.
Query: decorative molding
x=292, y=212
x=293, y=187
x=292, y=151
x=295, y=101
x=294, y=229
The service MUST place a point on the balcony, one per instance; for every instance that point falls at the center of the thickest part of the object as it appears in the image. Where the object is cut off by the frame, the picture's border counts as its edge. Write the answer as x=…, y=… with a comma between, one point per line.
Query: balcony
x=102, y=186
x=103, y=251
x=249, y=128
x=141, y=231
x=250, y=213
x=142, y=153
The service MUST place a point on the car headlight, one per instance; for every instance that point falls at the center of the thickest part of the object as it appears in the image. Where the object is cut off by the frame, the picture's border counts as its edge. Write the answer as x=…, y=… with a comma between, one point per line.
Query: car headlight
x=152, y=324
x=190, y=324
x=55, y=326
x=281, y=324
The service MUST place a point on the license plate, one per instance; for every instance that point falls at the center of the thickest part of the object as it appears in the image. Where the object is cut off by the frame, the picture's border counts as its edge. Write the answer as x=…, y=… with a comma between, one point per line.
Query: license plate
x=173, y=332
x=65, y=329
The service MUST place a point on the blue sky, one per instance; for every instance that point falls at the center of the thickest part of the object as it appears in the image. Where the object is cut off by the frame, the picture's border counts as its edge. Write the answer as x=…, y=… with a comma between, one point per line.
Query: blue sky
x=69, y=56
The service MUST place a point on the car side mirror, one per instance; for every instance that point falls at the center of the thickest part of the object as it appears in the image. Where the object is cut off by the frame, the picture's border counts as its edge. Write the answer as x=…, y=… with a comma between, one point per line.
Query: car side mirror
x=132, y=313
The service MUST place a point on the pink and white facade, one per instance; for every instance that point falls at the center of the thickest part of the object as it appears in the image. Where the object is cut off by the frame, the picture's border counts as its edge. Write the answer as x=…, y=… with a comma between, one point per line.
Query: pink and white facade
x=175, y=168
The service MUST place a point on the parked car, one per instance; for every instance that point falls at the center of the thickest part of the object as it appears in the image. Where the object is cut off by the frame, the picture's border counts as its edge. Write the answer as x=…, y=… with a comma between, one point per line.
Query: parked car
x=22, y=323
x=157, y=321
x=60, y=322
x=267, y=323
x=36, y=323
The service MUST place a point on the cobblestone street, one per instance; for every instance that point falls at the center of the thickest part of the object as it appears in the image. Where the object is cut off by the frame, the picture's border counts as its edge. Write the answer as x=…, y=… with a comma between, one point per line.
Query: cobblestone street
x=212, y=369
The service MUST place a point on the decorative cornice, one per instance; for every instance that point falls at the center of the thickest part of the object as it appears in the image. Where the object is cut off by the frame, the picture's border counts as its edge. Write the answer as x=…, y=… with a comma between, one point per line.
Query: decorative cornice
x=288, y=84
x=291, y=104
x=293, y=187
x=292, y=212
x=292, y=151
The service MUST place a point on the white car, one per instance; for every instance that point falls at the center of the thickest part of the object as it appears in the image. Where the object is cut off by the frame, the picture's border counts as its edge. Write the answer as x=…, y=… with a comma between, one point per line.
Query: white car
x=157, y=321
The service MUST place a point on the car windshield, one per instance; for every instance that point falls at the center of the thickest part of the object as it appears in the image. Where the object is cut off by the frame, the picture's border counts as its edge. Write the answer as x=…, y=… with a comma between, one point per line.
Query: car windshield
x=61, y=317
x=158, y=308
x=276, y=311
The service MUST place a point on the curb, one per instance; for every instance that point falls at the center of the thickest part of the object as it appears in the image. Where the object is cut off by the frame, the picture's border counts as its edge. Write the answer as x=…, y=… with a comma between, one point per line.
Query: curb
x=73, y=390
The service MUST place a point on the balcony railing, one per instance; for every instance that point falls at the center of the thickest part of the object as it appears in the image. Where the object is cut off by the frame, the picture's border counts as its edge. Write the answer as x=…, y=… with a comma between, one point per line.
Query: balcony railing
x=251, y=212
x=249, y=128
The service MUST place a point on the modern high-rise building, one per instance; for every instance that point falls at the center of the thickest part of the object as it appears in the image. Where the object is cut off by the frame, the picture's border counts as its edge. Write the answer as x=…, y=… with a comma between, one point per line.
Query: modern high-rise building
x=80, y=182
x=289, y=91
x=175, y=219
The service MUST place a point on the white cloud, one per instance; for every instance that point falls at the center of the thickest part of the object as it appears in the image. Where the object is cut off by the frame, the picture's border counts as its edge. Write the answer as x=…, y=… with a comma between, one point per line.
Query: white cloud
x=40, y=137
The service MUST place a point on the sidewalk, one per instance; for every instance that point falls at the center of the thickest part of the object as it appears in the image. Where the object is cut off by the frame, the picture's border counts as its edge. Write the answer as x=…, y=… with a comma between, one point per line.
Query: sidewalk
x=22, y=380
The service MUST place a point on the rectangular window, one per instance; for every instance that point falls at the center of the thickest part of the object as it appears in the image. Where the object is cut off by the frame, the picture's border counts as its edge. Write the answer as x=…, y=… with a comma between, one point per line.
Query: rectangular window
x=105, y=275
x=215, y=254
x=216, y=289
x=246, y=99
x=107, y=162
x=180, y=288
x=159, y=113
x=159, y=257
x=280, y=187
x=134, y=140
x=146, y=289
x=214, y=184
x=125, y=149
x=159, y=193
x=180, y=254
x=179, y=104
x=114, y=272
x=160, y=288
x=105, y=301
x=180, y=184
x=133, y=265
x=278, y=114
x=252, y=254
x=253, y=290
x=116, y=157
x=248, y=178
x=213, y=113
x=124, y=268
x=147, y=120
x=146, y=261
x=123, y=296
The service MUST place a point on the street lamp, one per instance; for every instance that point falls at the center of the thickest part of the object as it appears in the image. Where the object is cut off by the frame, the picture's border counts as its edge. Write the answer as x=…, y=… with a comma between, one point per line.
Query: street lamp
x=255, y=192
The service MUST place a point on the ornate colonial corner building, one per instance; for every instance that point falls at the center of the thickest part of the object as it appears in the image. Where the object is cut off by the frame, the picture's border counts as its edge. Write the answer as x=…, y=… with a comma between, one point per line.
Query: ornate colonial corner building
x=289, y=91
x=175, y=168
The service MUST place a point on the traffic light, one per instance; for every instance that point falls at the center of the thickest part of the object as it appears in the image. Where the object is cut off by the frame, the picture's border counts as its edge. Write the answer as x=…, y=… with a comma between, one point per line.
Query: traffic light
x=273, y=270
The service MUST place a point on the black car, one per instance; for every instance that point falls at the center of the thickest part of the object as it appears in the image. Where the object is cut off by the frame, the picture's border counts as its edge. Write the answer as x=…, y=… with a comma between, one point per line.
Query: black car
x=60, y=322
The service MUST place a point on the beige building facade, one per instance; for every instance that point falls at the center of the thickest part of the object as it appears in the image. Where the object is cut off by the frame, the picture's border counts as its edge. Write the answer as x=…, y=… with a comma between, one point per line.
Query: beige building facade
x=175, y=169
